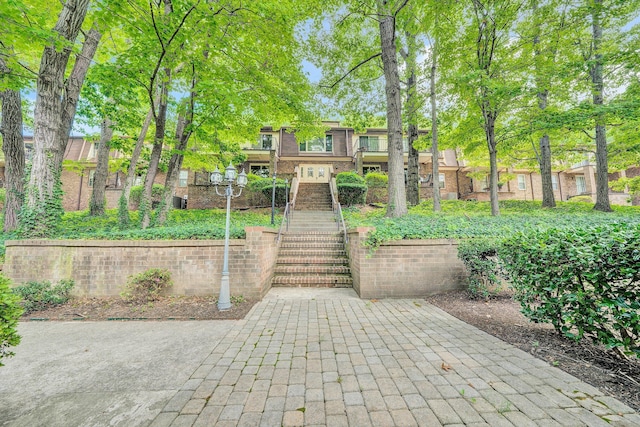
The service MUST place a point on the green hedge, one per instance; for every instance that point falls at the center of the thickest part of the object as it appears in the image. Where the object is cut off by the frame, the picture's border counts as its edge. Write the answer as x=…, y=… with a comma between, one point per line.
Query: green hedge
x=349, y=178
x=376, y=179
x=585, y=282
x=352, y=194
x=480, y=257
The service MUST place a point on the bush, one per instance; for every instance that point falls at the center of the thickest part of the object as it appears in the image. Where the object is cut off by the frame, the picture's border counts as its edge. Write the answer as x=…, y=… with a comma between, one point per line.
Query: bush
x=136, y=194
x=585, y=282
x=352, y=194
x=264, y=186
x=349, y=178
x=10, y=312
x=42, y=295
x=376, y=179
x=480, y=257
x=146, y=286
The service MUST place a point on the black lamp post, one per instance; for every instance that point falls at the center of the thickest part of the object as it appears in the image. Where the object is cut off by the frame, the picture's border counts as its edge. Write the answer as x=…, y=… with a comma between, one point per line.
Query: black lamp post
x=273, y=199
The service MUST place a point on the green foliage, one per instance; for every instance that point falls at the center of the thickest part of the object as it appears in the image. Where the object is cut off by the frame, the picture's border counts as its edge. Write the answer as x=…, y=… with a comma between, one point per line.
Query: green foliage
x=480, y=257
x=124, y=218
x=135, y=196
x=264, y=186
x=584, y=281
x=42, y=295
x=146, y=286
x=376, y=179
x=10, y=312
x=349, y=178
x=581, y=199
x=352, y=194
x=43, y=219
x=3, y=196
x=463, y=220
x=633, y=184
x=352, y=189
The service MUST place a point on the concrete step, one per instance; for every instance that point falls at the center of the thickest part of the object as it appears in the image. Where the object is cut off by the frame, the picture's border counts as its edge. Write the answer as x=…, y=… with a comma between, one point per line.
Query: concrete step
x=336, y=245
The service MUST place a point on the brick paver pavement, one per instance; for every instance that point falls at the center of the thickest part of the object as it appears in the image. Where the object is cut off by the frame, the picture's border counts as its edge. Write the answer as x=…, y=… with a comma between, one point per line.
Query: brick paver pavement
x=352, y=362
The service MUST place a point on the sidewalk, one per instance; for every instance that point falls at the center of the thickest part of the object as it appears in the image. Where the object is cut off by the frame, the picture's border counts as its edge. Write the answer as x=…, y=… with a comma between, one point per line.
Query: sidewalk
x=301, y=357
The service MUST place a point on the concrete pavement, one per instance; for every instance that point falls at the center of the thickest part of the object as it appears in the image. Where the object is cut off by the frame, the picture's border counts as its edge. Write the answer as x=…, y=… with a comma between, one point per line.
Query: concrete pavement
x=300, y=357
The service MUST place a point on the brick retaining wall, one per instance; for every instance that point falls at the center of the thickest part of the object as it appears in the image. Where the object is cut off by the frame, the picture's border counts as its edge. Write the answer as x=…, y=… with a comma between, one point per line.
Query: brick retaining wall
x=101, y=268
x=404, y=268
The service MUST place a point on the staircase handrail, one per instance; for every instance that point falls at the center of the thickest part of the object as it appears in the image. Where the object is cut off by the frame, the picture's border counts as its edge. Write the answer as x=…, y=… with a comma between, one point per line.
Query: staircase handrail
x=285, y=219
x=337, y=209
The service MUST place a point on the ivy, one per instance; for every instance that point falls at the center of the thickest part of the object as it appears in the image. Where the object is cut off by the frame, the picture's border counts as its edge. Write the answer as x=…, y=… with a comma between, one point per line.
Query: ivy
x=43, y=219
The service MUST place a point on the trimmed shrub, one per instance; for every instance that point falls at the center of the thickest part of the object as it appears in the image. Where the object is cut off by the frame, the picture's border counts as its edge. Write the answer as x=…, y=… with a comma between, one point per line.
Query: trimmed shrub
x=585, y=282
x=349, y=178
x=480, y=257
x=352, y=194
x=581, y=199
x=352, y=189
x=146, y=286
x=264, y=187
x=376, y=179
x=10, y=312
x=42, y=295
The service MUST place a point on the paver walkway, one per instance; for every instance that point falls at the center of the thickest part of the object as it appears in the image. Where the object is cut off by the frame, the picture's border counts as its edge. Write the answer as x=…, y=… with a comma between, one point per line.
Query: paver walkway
x=341, y=361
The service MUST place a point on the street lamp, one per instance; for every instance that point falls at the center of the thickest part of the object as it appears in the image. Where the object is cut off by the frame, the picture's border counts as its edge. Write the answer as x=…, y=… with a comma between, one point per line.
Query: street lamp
x=216, y=178
x=273, y=199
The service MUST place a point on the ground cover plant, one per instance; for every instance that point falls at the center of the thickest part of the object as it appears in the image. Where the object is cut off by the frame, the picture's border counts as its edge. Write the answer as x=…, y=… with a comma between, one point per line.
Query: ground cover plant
x=466, y=220
x=181, y=225
x=41, y=295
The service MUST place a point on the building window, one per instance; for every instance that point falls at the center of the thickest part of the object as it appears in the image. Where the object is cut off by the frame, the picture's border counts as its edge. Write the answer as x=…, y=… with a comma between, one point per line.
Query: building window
x=367, y=169
x=320, y=172
x=370, y=143
x=92, y=176
x=581, y=184
x=318, y=145
x=260, y=170
x=310, y=172
x=184, y=176
x=522, y=183
x=441, y=178
x=554, y=182
x=265, y=141
x=137, y=180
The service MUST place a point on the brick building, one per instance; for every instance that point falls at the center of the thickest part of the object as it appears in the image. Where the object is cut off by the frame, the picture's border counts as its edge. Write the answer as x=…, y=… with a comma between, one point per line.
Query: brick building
x=341, y=149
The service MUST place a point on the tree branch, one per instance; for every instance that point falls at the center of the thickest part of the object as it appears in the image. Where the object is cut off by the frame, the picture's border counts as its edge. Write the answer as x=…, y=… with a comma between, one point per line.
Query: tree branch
x=360, y=64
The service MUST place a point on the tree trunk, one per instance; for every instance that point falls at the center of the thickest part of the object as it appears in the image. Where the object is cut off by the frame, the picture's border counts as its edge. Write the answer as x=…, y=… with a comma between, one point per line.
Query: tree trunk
x=602, y=166
x=397, y=204
x=123, y=207
x=544, y=159
x=413, y=166
x=175, y=163
x=493, y=164
x=96, y=205
x=435, y=173
x=13, y=149
x=43, y=199
x=72, y=89
x=156, y=152
x=183, y=132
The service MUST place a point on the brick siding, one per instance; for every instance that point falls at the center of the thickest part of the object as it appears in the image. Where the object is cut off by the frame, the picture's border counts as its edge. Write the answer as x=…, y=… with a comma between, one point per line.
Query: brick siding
x=101, y=268
x=405, y=268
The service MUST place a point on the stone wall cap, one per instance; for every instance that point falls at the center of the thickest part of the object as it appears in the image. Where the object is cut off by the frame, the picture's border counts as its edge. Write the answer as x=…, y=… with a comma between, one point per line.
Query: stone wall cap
x=420, y=242
x=122, y=243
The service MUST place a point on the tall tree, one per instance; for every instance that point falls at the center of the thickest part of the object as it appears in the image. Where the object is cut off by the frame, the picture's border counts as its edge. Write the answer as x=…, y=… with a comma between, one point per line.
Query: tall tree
x=387, y=14
x=13, y=149
x=101, y=174
x=42, y=204
x=411, y=108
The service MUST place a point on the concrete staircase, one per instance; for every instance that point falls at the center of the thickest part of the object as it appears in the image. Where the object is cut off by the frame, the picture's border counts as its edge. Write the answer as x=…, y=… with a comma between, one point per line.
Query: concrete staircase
x=312, y=252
